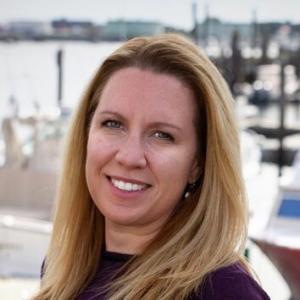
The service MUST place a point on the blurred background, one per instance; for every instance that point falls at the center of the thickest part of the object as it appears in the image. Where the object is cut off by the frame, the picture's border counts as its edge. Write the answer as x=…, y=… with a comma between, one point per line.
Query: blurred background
x=50, y=49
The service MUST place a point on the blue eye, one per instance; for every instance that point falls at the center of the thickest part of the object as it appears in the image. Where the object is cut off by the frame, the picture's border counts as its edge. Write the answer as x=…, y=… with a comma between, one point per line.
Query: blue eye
x=111, y=124
x=164, y=136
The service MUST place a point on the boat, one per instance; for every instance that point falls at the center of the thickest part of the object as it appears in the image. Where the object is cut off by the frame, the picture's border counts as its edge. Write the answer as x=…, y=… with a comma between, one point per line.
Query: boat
x=280, y=239
x=23, y=244
x=32, y=159
x=28, y=176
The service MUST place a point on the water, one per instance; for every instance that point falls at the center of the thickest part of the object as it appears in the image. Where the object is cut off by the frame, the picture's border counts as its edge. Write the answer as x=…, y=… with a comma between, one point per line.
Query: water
x=28, y=72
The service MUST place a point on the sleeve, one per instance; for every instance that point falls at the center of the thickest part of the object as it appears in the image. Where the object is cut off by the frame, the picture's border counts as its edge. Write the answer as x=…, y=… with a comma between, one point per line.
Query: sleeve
x=230, y=283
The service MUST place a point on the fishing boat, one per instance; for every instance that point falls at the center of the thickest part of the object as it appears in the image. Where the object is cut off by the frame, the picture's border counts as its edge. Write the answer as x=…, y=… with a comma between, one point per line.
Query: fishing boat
x=23, y=244
x=28, y=175
x=280, y=240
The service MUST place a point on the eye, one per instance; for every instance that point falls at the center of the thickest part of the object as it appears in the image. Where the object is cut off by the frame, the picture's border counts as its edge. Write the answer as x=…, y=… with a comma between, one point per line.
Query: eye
x=111, y=124
x=164, y=136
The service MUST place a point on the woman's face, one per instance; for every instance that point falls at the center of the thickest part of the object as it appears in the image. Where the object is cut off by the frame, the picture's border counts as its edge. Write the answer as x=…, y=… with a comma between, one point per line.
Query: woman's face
x=141, y=150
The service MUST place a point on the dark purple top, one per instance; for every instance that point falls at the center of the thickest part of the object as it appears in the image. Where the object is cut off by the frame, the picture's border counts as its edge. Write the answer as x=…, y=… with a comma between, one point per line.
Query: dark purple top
x=229, y=283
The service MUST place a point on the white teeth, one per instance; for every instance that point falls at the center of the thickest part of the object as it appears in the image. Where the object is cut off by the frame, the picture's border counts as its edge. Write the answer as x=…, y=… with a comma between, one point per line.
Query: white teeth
x=127, y=186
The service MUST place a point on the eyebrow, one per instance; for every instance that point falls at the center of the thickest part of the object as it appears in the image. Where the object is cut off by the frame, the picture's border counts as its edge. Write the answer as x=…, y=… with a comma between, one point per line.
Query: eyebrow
x=110, y=112
x=154, y=124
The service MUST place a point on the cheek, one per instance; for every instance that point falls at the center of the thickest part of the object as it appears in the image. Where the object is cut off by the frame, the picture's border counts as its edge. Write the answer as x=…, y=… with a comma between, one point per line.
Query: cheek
x=99, y=150
x=175, y=163
x=173, y=177
x=99, y=153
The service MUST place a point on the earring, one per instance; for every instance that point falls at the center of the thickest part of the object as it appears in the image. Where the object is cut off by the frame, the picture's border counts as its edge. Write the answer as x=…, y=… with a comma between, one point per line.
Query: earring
x=191, y=188
x=186, y=195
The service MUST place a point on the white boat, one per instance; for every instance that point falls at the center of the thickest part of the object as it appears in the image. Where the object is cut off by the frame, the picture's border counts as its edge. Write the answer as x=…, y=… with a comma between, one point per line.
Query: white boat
x=280, y=240
x=31, y=164
x=23, y=244
x=27, y=188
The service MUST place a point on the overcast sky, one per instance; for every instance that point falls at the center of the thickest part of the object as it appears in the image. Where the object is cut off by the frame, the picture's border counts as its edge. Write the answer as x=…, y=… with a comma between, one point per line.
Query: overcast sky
x=170, y=12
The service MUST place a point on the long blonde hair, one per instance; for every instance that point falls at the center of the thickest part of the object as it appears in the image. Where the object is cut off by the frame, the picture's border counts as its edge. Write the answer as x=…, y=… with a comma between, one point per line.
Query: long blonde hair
x=206, y=232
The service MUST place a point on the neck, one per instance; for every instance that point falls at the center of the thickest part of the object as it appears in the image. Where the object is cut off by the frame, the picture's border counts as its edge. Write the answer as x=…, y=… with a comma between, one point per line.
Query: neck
x=128, y=239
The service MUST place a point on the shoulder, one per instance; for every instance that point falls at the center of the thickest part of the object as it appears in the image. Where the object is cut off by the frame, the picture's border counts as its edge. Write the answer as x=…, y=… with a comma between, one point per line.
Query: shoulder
x=229, y=283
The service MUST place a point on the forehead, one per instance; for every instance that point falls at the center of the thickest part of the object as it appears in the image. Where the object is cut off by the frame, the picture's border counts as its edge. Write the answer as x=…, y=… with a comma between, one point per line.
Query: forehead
x=150, y=92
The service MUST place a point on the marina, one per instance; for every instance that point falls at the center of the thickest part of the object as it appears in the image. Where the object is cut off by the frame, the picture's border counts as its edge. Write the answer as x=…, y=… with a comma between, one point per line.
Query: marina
x=30, y=151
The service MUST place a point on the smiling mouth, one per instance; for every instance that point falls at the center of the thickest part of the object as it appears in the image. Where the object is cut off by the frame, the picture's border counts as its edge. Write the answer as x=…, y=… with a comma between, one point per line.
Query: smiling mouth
x=127, y=186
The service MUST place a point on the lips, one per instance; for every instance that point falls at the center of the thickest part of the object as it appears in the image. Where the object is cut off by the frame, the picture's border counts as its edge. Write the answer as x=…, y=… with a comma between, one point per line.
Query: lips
x=127, y=185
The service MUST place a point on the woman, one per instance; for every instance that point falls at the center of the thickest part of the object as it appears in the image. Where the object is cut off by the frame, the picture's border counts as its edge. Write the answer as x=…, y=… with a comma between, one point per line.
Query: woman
x=151, y=202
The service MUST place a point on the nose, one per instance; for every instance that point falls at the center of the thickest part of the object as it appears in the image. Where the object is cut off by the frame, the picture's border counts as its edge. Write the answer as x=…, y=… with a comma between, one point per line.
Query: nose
x=131, y=153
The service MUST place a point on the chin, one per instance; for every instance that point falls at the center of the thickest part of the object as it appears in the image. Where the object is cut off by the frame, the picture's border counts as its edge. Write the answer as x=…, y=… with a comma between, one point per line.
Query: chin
x=121, y=216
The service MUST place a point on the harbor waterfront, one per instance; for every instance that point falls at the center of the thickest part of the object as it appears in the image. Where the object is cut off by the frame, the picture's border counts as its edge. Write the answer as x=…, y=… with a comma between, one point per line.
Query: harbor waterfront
x=29, y=77
x=29, y=73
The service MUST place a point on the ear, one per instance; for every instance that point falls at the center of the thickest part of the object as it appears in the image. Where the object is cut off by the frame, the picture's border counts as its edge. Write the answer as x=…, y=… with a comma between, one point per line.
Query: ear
x=196, y=171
